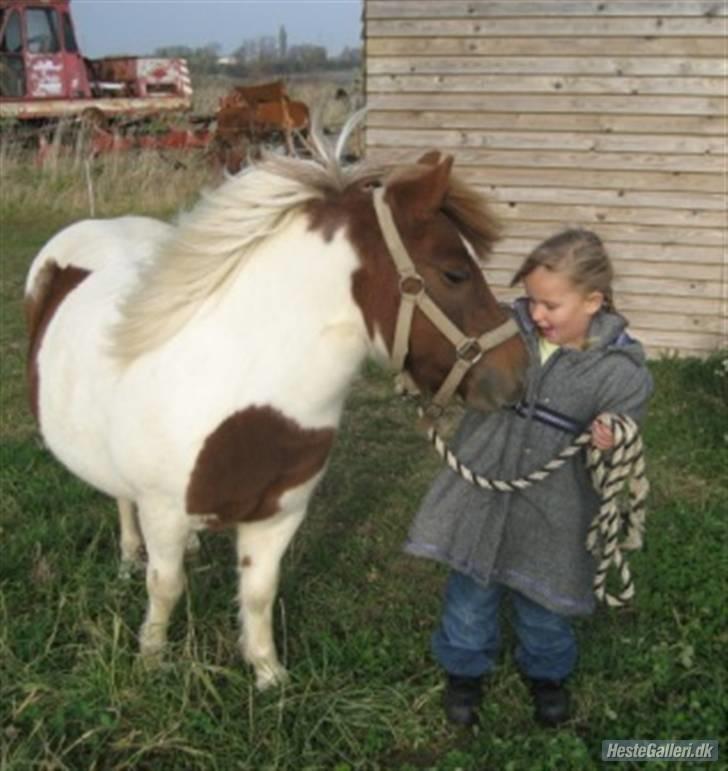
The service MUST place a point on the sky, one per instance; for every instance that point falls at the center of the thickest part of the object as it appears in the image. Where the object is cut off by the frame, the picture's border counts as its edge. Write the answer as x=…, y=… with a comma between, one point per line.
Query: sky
x=137, y=27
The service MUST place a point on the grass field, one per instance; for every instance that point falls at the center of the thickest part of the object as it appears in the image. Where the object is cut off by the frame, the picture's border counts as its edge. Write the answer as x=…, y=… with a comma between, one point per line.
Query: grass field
x=354, y=615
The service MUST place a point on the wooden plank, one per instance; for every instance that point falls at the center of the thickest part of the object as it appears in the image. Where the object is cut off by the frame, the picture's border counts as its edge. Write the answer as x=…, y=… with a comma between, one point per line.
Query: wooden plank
x=533, y=140
x=710, y=325
x=686, y=48
x=581, y=178
x=672, y=286
x=673, y=257
x=529, y=159
x=679, y=341
x=536, y=84
x=675, y=202
x=549, y=103
x=479, y=9
x=539, y=65
x=655, y=353
x=546, y=27
x=587, y=215
x=638, y=236
x=642, y=285
x=630, y=124
x=626, y=263
x=705, y=308
x=628, y=268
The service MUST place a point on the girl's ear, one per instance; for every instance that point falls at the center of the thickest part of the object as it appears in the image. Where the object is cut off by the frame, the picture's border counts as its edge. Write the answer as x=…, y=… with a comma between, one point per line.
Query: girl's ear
x=594, y=302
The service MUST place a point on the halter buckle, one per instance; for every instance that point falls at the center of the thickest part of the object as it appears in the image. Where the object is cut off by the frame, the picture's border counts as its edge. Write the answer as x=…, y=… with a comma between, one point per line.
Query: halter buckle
x=470, y=350
x=411, y=284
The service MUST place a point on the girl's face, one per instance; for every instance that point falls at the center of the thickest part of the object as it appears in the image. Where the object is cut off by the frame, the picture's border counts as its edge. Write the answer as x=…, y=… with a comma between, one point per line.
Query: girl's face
x=561, y=310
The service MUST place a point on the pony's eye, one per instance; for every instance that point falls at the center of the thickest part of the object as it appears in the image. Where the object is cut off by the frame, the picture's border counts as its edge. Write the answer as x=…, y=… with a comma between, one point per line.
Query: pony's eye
x=456, y=276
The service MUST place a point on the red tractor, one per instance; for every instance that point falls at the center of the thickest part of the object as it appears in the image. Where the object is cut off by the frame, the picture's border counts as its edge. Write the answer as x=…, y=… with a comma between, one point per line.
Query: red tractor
x=44, y=75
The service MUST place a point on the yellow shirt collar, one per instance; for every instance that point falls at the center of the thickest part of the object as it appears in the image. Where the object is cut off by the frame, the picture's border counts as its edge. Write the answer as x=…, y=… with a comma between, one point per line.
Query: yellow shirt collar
x=546, y=348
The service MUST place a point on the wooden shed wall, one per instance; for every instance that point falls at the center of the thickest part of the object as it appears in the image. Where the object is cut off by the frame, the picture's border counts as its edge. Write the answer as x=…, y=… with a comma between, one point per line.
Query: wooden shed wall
x=609, y=114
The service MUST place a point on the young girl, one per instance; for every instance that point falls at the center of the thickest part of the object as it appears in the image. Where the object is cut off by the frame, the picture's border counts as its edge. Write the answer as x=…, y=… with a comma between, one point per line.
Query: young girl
x=530, y=545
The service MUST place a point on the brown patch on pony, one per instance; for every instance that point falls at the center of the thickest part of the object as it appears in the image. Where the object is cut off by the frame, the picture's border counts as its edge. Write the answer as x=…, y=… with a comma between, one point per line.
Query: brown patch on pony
x=52, y=285
x=249, y=461
x=246, y=562
x=373, y=282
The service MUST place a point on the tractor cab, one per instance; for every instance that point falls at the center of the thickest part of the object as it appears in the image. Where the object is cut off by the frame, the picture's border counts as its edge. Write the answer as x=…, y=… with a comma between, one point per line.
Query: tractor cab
x=39, y=56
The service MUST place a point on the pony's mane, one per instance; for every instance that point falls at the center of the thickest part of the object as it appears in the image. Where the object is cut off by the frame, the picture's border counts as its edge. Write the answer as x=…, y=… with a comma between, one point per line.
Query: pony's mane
x=213, y=240
x=471, y=213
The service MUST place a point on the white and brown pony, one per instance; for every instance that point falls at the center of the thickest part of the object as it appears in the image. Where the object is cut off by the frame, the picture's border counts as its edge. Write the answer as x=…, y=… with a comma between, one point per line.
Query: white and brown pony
x=197, y=372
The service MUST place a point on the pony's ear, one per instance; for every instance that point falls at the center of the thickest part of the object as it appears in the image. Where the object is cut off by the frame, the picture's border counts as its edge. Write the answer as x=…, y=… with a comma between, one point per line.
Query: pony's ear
x=419, y=190
x=430, y=158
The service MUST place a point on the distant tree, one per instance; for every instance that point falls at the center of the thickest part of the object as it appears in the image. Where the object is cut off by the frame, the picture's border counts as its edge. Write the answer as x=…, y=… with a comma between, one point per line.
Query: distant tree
x=350, y=57
x=200, y=60
x=308, y=57
x=282, y=42
x=246, y=52
x=266, y=55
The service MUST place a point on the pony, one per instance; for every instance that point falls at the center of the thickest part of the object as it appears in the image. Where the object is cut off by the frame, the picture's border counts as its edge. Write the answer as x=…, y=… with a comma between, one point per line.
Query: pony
x=197, y=371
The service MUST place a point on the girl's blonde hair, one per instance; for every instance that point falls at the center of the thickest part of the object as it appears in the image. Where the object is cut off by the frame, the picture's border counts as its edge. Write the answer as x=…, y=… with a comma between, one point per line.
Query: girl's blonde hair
x=581, y=255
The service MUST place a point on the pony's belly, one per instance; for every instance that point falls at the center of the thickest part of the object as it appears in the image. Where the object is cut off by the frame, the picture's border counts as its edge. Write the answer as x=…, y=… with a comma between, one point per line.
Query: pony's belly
x=88, y=464
x=72, y=424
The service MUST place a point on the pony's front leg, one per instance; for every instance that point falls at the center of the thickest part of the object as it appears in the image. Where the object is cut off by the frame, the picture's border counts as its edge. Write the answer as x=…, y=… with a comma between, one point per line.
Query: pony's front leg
x=165, y=535
x=131, y=539
x=260, y=548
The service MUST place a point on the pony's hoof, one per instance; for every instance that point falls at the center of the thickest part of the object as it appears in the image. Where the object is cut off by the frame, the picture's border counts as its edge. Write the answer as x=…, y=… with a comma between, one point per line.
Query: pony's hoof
x=151, y=644
x=130, y=567
x=193, y=544
x=270, y=675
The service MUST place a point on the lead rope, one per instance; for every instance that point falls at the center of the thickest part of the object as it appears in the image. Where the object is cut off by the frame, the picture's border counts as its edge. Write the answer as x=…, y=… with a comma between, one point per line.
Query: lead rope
x=609, y=475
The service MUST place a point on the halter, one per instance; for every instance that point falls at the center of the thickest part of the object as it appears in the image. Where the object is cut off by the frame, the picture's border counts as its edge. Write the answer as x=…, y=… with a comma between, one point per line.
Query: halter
x=469, y=350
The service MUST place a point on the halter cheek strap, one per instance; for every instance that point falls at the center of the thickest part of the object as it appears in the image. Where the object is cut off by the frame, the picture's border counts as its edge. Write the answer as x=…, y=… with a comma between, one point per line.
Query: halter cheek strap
x=469, y=350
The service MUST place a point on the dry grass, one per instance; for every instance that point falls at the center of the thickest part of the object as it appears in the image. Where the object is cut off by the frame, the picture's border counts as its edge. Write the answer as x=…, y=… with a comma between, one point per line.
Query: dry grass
x=71, y=180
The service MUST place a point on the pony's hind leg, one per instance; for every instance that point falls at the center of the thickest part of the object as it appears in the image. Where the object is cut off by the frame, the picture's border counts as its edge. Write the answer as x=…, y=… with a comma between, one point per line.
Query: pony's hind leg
x=165, y=535
x=260, y=548
x=132, y=544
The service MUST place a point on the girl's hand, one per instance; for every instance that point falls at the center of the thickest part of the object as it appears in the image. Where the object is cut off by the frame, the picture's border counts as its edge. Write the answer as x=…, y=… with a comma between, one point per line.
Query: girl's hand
x=602, y=436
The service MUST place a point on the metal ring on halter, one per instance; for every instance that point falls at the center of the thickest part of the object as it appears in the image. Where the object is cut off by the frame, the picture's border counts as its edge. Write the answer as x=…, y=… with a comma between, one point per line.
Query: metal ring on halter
x=470, y=350
x=411, y=277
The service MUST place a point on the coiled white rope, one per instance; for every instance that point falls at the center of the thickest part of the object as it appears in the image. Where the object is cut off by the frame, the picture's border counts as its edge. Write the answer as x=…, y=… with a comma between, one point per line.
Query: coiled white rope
x=609, y=474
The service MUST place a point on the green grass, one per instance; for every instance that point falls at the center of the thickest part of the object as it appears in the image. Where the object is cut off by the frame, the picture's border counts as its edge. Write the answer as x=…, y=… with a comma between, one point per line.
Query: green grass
x=354, y=616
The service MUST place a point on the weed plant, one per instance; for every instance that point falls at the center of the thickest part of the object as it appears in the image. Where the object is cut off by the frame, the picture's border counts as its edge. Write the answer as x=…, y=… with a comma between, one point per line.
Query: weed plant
x=354, y=616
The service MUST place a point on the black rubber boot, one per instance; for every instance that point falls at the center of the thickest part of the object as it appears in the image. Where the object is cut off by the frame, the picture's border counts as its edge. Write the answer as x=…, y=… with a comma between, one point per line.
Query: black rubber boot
x=462, y=697
x=551, y=701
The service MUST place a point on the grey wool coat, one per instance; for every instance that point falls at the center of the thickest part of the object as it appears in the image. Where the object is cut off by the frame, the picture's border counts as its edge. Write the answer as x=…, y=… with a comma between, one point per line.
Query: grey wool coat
x=534, y=540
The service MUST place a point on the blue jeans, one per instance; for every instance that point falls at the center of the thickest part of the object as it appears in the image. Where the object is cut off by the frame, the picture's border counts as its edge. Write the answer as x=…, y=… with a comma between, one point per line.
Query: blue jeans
x=468, y=639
